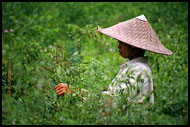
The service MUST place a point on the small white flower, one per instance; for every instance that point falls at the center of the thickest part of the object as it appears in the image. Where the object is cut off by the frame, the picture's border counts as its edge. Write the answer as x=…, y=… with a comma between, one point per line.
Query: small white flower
x=50, y=46
x=11, y=30
x=45, y=50
x=111, y=50
x=75, y=53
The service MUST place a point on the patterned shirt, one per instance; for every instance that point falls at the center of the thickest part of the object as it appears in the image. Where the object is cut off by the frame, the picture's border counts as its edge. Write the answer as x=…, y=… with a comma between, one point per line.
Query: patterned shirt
x=135, y=79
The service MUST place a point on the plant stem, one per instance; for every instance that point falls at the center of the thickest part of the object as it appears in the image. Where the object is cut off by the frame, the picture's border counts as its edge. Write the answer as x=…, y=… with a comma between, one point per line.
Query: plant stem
x=9, y=79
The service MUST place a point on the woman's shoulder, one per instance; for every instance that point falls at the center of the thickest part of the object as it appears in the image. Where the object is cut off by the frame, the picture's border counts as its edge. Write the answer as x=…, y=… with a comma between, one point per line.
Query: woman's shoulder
x=138, y=67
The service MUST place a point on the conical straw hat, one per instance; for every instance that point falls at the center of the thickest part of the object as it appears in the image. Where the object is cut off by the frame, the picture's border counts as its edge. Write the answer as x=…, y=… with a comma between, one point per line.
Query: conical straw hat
x=138, y=33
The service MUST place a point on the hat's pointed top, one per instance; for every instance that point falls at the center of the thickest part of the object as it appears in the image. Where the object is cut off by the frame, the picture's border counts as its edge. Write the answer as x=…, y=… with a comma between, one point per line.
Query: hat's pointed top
x=142, y=17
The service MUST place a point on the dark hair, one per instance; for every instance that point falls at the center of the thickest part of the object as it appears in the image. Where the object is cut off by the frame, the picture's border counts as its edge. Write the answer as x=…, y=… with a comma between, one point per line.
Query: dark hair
x=136, y=52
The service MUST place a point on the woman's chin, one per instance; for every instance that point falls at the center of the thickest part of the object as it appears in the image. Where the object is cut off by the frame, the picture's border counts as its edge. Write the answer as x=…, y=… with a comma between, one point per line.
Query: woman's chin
x=124, y=56
x=120, y=54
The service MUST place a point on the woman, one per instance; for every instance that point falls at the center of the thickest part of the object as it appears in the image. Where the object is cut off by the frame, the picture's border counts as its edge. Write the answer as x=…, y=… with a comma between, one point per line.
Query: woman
x=134, y=36
x=137, y=67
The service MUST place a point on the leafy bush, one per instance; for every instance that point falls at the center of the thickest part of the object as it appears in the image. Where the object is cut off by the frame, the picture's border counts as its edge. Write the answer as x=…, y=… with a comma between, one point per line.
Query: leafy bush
x=44, y=44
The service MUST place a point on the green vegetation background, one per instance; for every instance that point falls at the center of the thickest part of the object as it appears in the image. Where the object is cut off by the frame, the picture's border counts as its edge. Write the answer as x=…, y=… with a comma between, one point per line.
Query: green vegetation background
x=49, y=43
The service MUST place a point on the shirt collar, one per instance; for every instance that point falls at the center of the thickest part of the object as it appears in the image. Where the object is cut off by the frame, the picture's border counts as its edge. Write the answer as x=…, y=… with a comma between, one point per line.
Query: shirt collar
x=136, y=60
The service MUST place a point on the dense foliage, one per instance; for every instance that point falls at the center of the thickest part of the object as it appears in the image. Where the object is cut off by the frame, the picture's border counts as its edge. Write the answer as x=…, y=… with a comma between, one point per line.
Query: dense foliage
x=44, y=44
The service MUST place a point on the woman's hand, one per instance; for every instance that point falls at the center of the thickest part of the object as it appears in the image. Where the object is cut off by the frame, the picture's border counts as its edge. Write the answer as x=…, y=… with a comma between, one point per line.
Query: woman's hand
x=62, y=89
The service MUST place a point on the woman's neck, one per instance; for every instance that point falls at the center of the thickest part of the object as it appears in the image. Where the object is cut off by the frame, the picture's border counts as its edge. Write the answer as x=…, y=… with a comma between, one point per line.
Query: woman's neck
x=133, y=57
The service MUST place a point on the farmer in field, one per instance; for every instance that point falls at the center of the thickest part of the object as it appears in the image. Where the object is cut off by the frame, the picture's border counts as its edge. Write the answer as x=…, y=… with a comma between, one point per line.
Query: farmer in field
x=134, y=36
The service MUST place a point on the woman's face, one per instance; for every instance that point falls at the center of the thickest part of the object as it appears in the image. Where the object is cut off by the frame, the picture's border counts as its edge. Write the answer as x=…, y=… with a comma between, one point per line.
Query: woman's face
x=124, y=50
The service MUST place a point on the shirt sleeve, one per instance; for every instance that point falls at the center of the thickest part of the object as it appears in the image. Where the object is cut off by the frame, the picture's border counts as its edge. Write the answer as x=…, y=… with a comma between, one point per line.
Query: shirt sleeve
x=141, y=83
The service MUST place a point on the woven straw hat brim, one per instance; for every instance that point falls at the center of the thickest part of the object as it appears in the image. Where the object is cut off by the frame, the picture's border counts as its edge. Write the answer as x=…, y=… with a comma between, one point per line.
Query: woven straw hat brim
x=137, y=33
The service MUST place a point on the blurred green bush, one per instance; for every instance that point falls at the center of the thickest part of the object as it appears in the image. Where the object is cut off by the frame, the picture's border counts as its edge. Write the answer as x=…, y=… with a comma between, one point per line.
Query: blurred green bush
x=49, y=43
